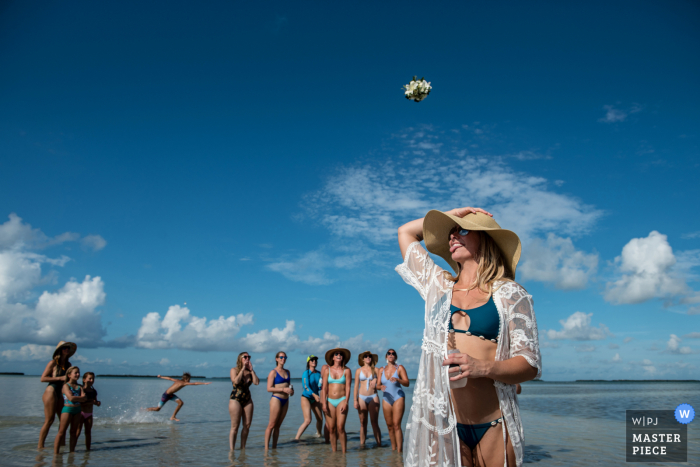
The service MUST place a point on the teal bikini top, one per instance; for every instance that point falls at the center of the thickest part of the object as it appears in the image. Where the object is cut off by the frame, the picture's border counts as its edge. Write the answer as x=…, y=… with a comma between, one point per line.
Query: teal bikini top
x=336, y=381
x=484, y=321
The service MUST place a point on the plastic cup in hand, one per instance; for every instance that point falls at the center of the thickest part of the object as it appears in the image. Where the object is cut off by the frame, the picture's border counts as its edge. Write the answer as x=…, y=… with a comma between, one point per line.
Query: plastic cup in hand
x=460, y=383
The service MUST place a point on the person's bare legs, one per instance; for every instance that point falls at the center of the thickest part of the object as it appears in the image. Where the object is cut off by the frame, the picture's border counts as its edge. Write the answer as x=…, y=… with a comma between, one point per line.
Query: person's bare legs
x=489, y=451
x=275, y=409
x=74, y=425
x=318, y=412
x=88, y=431
x=235, y=411
x=63, y=427
x=247, y=420
x=389, y=419
x=362, y=413
x=373, y=409
x=276, y=431
x=340, y=420
x=177, y=409
x=306, y=410
x=332, y=426
x=50, y=404
x=397, y=413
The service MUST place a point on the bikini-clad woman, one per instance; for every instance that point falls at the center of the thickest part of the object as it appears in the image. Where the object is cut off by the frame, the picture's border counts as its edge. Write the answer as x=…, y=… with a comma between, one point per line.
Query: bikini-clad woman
x=311, y=398
x=365, y=395
x=337, y=384
x=391, y=378
x=55, y=375
x=484, y=316
x=278, y=383
x=240, y=404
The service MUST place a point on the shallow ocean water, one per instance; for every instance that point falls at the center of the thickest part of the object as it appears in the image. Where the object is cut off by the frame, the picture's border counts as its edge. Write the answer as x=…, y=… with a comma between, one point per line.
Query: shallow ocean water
x=565, y=424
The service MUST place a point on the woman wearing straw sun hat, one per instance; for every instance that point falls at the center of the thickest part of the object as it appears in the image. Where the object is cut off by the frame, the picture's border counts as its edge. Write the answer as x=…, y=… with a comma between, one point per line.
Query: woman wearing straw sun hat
x=337, y=382
x=480, y=327
x=365, y=395
x=55, y=375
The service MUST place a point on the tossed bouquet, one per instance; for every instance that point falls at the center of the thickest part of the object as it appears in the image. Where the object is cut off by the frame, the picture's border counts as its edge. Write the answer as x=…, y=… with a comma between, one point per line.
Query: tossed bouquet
x=417, y=89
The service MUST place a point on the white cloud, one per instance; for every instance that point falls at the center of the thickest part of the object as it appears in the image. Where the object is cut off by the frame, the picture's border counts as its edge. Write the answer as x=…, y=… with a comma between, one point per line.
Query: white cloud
x=613, y=346
x=67, y=314
x=647, y=271
x=165, y=361
x=368, y=202
x=15, y=233
x=29, y=352
x=691, y=235
x=585, y=348
x=179, y=329
x=673, y=346
x=93, y=242
x=617, y=358
x=556, y=261
x=615, y=115
x=578, y=327
x=628, y=340
x=693, y=335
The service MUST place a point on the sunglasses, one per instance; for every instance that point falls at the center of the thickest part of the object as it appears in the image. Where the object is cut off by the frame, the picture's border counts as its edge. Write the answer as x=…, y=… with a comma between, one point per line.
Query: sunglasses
x=459, y=231
x=338, y=353
x=282, y=358
x=391, y=353
x=367, y=356
x=246, y=357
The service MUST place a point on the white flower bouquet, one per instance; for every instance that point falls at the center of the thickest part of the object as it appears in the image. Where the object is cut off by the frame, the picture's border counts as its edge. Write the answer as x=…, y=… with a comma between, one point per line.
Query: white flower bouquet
x=417, y=89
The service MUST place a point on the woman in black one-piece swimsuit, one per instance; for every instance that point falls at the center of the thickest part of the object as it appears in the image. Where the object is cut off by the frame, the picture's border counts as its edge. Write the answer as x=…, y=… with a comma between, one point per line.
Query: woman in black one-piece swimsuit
x=240, y=404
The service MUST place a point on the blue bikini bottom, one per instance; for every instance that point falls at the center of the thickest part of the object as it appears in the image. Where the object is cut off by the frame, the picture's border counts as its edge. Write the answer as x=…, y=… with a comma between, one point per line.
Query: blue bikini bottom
x=472, y=434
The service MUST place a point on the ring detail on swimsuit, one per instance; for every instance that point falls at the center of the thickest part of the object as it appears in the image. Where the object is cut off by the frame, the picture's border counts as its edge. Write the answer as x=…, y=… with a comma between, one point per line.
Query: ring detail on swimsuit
x=484, y=321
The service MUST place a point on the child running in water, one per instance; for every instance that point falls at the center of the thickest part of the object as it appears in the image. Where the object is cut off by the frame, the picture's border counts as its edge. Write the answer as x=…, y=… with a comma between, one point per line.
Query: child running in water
x=86, y=407
x=169, y=394
x=73, y=396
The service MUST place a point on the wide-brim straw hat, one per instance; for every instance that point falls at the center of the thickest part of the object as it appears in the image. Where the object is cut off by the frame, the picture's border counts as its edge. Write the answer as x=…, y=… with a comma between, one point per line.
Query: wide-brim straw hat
x=361, y=358
x=73, y=348
x=346, y=354
x=436, y=231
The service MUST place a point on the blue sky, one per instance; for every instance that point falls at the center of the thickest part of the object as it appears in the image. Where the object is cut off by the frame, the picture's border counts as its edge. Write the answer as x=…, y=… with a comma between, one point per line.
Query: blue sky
x=231, y=177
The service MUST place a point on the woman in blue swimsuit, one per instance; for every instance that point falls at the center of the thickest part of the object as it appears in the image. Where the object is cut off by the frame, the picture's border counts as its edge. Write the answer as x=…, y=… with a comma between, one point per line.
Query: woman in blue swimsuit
x=337, y=383
x=278, y=383
x=480, y=340
x=391, y=378
x=310, y=398
x=366, y=400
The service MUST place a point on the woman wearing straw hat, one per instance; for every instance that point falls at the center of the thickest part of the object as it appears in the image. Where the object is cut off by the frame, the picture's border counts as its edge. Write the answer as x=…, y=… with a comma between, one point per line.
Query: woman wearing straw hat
x=479, y=327
x=55, y=375
x=337, y=383
x=366, y=400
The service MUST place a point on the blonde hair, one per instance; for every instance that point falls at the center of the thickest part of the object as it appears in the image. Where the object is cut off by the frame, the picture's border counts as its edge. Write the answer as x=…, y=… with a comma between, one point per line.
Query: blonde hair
x=371, y=364
x=239, y=361
x=57, y=361
x=69, y=371
x=491, y=268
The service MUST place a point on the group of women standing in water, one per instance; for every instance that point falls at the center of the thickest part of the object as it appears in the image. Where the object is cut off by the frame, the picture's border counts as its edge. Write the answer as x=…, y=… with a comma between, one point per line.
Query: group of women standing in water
x=328, y=392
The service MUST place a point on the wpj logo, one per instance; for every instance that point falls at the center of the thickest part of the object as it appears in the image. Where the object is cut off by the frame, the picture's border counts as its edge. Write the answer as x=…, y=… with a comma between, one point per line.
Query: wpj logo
x=656, y=436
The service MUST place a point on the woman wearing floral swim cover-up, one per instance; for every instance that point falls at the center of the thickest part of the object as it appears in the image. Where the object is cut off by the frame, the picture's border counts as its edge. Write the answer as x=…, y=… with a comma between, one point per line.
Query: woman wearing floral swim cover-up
x=489, y=319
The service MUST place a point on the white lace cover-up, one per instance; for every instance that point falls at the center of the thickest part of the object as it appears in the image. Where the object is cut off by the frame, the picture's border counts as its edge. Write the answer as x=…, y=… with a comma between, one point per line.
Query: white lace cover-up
x=431, y=438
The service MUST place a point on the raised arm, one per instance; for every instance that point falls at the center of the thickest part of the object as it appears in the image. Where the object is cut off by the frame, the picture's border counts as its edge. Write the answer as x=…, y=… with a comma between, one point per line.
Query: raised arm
x=256, y=380
x=403, y=377
x=236, y=376
x=165, y=377
x=413, y=231
x=196, y=384
x=48, y=377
